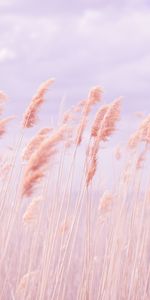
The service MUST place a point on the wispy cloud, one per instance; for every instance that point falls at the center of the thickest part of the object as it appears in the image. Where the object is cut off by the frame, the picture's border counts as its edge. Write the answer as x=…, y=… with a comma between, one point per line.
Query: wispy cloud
x=88, y=43
x=6, y=55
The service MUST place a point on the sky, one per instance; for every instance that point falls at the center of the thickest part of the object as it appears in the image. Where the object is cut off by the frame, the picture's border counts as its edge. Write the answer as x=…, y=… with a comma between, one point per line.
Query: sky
x=81, y=44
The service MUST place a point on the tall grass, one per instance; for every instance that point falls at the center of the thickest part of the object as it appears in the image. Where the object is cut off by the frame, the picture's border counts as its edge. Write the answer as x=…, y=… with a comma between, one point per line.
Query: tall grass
x=74, y=211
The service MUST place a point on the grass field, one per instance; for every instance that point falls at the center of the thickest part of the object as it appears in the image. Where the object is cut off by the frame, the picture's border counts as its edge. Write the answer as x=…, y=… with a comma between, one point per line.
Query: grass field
x=74, y=211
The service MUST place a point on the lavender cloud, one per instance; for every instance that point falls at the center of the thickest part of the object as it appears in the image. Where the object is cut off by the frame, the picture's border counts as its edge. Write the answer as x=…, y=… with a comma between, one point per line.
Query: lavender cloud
x=81, y=44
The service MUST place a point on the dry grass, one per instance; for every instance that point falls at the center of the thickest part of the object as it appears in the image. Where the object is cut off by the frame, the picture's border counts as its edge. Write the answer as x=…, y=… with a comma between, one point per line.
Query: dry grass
x=67, y=232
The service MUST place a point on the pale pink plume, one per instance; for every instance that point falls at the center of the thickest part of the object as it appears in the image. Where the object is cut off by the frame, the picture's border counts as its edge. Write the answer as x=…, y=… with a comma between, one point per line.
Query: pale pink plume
x=41, y=156
x=39, y=161
x=44, y=131
x=79, y=106
x=134, y=140
x=141, y=158
x=68, y=116
x=35, y=143
x=105, y=202
x=3, y=124
x=108, y=123
x=69, y=138
x=145, y=130
x=95, y=96
x=98, y=120
x=28, y=277
x=30, y=116
x=4, y=170
x=80, y=130
x=140, y=161
x=92, y=149
x=30, y=181
x=112, y=115
x=141, y=135
x=91, y=170
x=3, y=97
x=32, y=212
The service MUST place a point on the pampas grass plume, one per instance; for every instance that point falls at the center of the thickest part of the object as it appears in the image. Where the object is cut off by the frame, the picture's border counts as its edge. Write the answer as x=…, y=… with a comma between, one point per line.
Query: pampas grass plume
x=39, y=160
x=32, y=211
x=3, y=124
x=35, y=143
x=30, y=116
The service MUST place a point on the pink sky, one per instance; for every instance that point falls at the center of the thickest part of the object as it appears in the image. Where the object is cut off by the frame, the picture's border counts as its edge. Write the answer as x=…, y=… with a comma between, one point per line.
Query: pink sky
x=80, y=43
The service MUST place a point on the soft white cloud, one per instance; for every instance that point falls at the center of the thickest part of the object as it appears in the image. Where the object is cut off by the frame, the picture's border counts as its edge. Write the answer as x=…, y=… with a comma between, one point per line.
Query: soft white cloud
x=6, y=55
x=92, y=46
x=7, y=3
